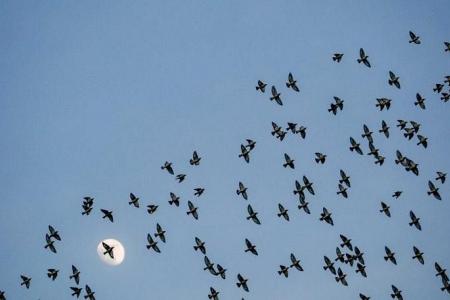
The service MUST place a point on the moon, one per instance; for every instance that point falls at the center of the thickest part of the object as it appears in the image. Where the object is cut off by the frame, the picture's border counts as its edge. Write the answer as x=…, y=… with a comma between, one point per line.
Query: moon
x=119, y=252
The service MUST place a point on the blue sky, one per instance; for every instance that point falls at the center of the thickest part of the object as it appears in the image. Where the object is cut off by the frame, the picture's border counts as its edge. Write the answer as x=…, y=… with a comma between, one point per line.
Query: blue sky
x=95, y=96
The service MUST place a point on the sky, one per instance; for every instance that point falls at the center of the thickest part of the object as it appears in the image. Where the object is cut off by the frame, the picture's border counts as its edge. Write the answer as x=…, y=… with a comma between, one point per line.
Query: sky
x=96, y=95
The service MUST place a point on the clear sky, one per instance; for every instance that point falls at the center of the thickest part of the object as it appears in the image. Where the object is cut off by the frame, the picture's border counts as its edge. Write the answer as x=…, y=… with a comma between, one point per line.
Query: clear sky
x=96, y=95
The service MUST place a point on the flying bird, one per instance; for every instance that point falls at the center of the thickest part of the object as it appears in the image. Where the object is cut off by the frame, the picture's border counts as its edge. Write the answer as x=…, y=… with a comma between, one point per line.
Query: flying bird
x=160, y=233
x=414, y=220
x=89, y=293
x=361, y=269
x=389, y=255
x=276, y=96
x=295, y=263
x=174, y=199
x=221, y=271
x=107, y=214
x=292, y=83
x=283, y=212
x=326, y=216
x=396, y=293
x=384, y=129
x=49, y=244
x=53, y=233
x=418, y=255
x=261, y=86
x=26, y=281
x=134, y=200
x=192, y=210
x=341, y=277
x=329, y=265
x=289, y=162
x=355, y=146
x=168, y=166
x=283, y=270
x=250, y=247
x=344, y=178
x=367, y=133
x=152, y=244
x=441, y=176
x=320, y=158
x=152, y=208
x=346, y=242
x=242, y=190
x=195, y=160
x=414, y=38
x=385, y=209
x=52, y=273
x=209, y=266
x=420, y=101
x=245, y=153
x=440, y=271
x=242, y=282
x=199, y=245
x=363, y=58
x=337, y=57
x=433, y=190
x=394, y=79
x=304, y=205
x=180, y=177
x=342, y=191
x=75, y=275
x=108, y=250
x=198, y=191
x=252, y=215
x=213, y=294
x=76, y=291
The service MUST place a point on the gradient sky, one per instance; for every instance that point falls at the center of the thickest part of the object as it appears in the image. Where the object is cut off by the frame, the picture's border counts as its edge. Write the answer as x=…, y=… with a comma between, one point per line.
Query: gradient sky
x=96, y=95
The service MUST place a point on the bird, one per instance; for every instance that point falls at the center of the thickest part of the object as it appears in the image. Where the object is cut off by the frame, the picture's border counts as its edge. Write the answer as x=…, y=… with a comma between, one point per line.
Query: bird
x=367, y=133
x=152, y=208
x=329, y=265
x=87, y=205
x=261, y=86
x=433, y=191
x=384, y=129
x=108, y=250
x=75, y=275
x=420, y=101
x=295, y=263
x=438, y=88
x=192, y=210
x=447, y=47
x=320, y=158
x=52, y=273
x=414, y=220
x=341, y=277
x=359, y=255
x=299, y=190
x=308, y=185
x=174, y=199
x=276, y=96
x=134, y=200
x=361, y=269
x=445, y=97
x=339, y=255
x=337, y=57
x=390, y=255
x=363, y=58
x=107, y=214
x=397, y=194
x=441, y=176
x=346, y=242
x=292, y=83
x=446, y=286
x=252, y=215
x=278, y=131
x=415, y=126
x=394, y=79
x=221, y=271
x=396, y=293
x=198, y=191
x=250, y=247
x=49, y=244
x=349, y=259
x=199, y=245
x=283, y=212
x=338, y=103
x=289, y=162
x=195, y=160
x=440, y=271
x=209, y=266
x=213, y=294
x=250, y=144
x=89, y=293
x=242, y=190
x=355, y=146
x=326, y=216
x=383, y=103
x=373, y=150
x=168, y=166
x=344, y=178
x=422, y=141
x=2, y=295
x=242, y=282
x=76, y=291
x=283, y=270
x=26, y=281
x=385, y=209
x=53, y=233
x=152, y=244
x=180, y=177
x=302, y=131
x=304, y=205
x=160, y=233
x=245, y=154
x=418, y=255
x=364, y=297
x=401, y=124
x=414, y=38
x=342, y=191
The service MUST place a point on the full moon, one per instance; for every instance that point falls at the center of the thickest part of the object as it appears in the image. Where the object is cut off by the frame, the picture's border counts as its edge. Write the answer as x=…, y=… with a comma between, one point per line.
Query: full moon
x=118, y=251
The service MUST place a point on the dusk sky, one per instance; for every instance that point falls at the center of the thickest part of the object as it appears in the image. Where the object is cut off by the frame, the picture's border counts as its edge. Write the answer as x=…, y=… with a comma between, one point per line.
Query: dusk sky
x=96, y=95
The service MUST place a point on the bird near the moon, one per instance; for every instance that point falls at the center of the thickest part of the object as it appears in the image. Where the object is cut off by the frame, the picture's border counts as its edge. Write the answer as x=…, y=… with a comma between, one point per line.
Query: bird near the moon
x=119, y=252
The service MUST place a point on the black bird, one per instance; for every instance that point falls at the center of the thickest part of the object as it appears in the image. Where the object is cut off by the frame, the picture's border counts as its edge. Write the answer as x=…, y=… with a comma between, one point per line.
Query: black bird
x=250, y=247
x=414, y=220
x=283, y=212
x=198, y=191
x=438, y=88
x=245, y=153
x=107, y=214
x=295, y=262
x=75, y=275
x=339, y=255
x=221, y=271
x=409, y=133
x=76, y=291
x=108, y=250
x=400, y=158
x=252, y=215
x=195, y=160
x=418, y=255
x=422, y=141
x=49, y=243
x=304, y=205
x=261, y=86
x=415, y=125
x=379, y=159
x=278, y=131
x=441, y=176
x=329, y=265
x=367, y=133
x=2, y=295
x=52, y=273
x=402, y=124
x=289, y=162
x=250, y=144
x=276, y=96
x=200, y=245
x=342, y=190
x=320, y=157
x=433, y=190
x=53, y=233
x=446, y=286
x=420, y=101
x=26, y=281
x=385, y=209
x=363, y=58
x=152, y=244
x=344, y=178
x=355, y=146
x=242, y=191
x=213, y=294
x=384, y=129
x=292, y=83
x=299, y=190
x=414, y=38
x=447, y=46
x=440, y=271
x=242, y=282
x=87, y=205
x=333, y=108
x=359, y=255
x=160, y=233
x=341, y=277
x=326, y=216
x=373, y=150
x=364, y=297
x=445, y=97
x=168, y=166
x=283, y=270
x=308, y=185
x=346, y=242
x=337, y=57
x=134, y=200
x=302, y=131
x=89, y=293
x=396, y=293
x=397, y=194
x=174, y=199
x=180, y=177
x=192, y=210
x=292, y=127
x=152, y=208
x=390, y=255
x=361, y=269
x=339, y=103
x=383, y=103
x=349, y=259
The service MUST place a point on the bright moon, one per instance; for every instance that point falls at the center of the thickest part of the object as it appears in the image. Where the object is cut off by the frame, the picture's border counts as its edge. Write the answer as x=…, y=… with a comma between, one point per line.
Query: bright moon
x=119, y=252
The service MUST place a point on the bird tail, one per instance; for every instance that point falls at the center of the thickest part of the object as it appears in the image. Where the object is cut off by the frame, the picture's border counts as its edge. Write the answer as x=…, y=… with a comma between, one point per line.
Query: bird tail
x=48, y=275
x=393, y=296
x=279, y=272
x=429, y=193
x=238, y=284
x=385, y=258
x=285, y=165
x=238, y=192
x=351, y=149
x=337, y=279
x=288, y=84
x=188, y=212
x=359, y=60
x=390, y=82
x=195, y=248
x=334, y=58
x=317, y=160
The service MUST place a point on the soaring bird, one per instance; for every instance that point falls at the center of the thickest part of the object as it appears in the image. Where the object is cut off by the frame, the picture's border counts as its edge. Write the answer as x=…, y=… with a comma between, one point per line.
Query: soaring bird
x=250, y=247
x=414, y=38
x=326, y=216
x=283, y=212
x=339, y=255
x=89, y=293
x=107, y=214
x=441, y=176
x=245, y=153
x=355, y=146
x=213, y=294
x=438, y=88
x=108, y=250
x=292, y=83
x=252, y=215
x=384, y=129
x=367, y=133
x=49, y=243
x=359, y=255
x=364, y=297
x=152, y=244
x=180, y=177
x=295, y=263
x=289, y=162
x=209, y=266
x=242, y=282
x=363, y=58
x=242, y=190
x=346, y=242
x=261, y=86
x=133, y=200
x=422, y=140
x=344, y=178
x=389, y=255
x=440, y=271
x=167, y=166
x=87, y=205
x=199, y=245
x=284, y=270
x=396, y=293
x=174, y=199
x=53, y=233
x=397, y=194
x=341, y=277
x=160, y=233
x=308, y=185
x=198, y=191
x=420, y=101
x=414, y=220
x=361, y=269
x=337, y=57
x=276, y=96
x=192, y=210
x=75, y=275
x=52, y=273
x=299, y=190
x=320, y=158
x=433, y=190
x=76, y=291
x=418, y=255
x=26, y=281
x=221, y=271
x=304, y=205
x=152, y=208
x=342, y=190
x=385, y=209
x=250, y=144
x=383, y=103
x=329, y=265
x=195, y=160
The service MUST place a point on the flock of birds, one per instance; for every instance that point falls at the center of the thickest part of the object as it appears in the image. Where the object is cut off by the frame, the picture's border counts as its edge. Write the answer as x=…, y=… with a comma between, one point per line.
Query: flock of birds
x=346, y=252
